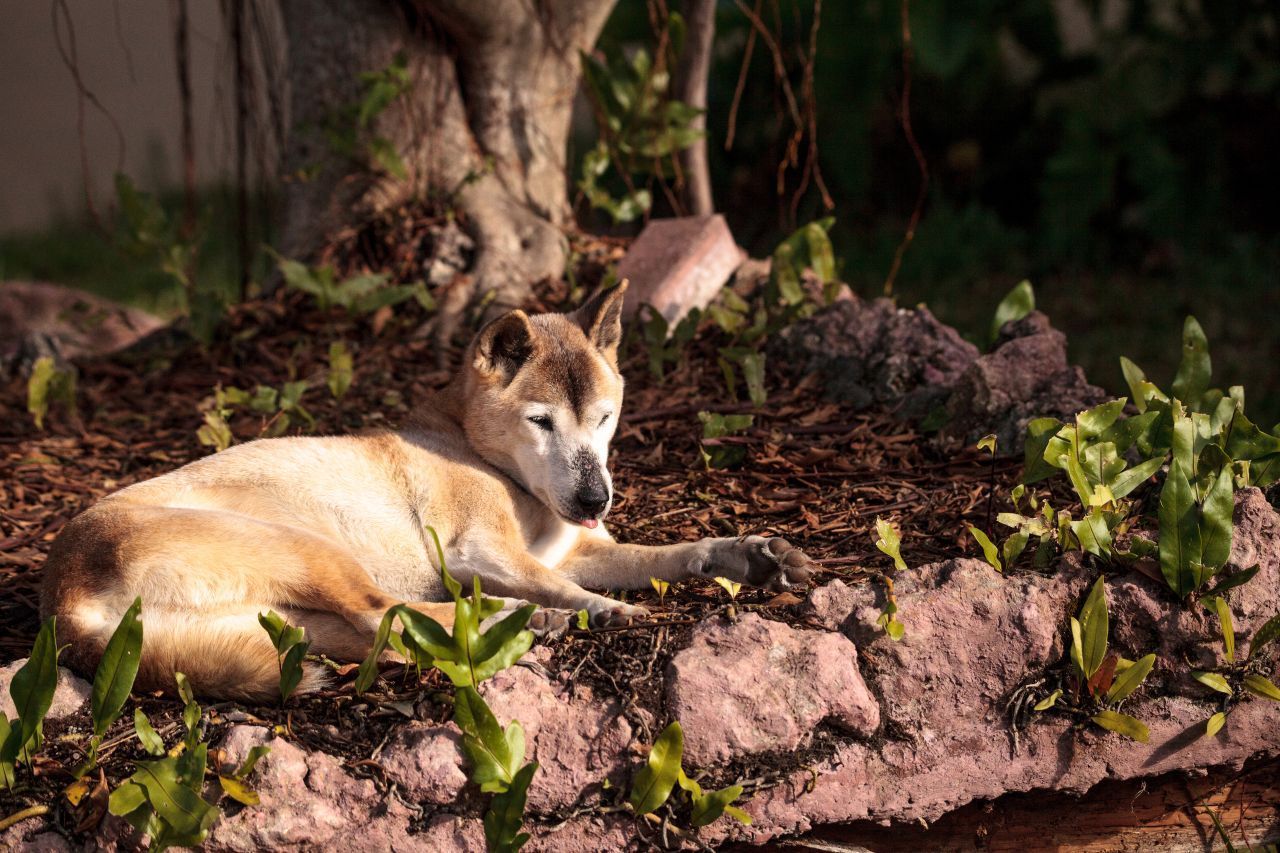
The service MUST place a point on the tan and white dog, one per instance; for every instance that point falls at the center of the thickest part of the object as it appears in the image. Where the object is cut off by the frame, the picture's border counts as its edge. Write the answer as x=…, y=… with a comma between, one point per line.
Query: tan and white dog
x=507, y=463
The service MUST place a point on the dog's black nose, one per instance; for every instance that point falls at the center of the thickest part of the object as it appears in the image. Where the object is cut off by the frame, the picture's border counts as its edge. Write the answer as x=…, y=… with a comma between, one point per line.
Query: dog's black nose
x=592, y=499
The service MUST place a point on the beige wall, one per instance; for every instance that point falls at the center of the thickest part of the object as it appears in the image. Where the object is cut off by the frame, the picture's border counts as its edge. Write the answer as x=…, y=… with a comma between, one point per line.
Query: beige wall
x=40, y=173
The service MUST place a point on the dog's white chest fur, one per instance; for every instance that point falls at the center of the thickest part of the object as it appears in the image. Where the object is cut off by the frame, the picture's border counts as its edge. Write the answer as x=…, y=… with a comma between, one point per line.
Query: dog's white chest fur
x=555, y=543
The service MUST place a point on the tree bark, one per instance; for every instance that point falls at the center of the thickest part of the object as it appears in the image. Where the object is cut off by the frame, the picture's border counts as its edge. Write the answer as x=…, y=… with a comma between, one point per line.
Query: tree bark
x=484, y=128
x=691, y=87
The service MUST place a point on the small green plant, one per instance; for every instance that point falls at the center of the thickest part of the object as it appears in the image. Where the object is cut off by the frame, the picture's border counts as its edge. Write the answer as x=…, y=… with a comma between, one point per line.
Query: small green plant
x=1237, y=677
x=641, y=127
x=1017, y=303
x=731, y=587
x=148, y=233
x=665, y=344
x=1203, y=436
x=1100, y=682
x=468, y=656
x=652, y=785
x=113, y=680
x=350, y=131
x=358, y=294
x=717, y=453
x=751, y=363
x=164, y=799
x=660, y=587
x=341, y=369
x=808, y=248
x=32, y=690
x=890, y=543
x=290, y=647
x=282, y=407
x=50, y=384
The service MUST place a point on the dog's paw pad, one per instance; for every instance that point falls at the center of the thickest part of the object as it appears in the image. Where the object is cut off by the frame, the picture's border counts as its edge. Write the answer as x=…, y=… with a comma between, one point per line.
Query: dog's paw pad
x=775, y=563
x=617, y=615
x=550, y=622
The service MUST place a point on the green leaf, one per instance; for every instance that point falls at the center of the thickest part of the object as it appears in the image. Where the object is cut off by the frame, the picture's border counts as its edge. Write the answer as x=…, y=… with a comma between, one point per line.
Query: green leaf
x=147, y=736
x=49, y=384
x=1092, y=423
x=175, y=803
x=1216, y=522
x=584, y=620
x=251, y=761
x=1127, y=682
x=989, y=550
x=237, y=790
x=753, y=373
x=1225, y=623
x=1212, y=680
x=738, y=814
x=653, y=782
x=1214, y=724
x=126, y=799
x=822, y=259
x=1094, y=625
x=117, y=670
x=1192, y=378
x=1259, y=686
x=503, y=644
x=1093, y=533
x=1234, y=580
x=341, y=369
x=1013, y=547
x=454, y=588
x=709, y=807
x=291, y=670
x=1130, y=479
x=889, y=543
x=505, y=816
x=368, y=670
x=1123, y=724
x=1039, y=433
x=1180, y=544
x=32, y=690
x=1048, y=702
x=184, y=688
x=495, y=754
x=1016, y=304
x=1268, y=632
x=895, y=629
x=988, y=443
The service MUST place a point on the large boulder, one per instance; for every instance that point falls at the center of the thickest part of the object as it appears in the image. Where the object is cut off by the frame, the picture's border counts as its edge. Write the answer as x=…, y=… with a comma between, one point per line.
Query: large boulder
x=755, y=686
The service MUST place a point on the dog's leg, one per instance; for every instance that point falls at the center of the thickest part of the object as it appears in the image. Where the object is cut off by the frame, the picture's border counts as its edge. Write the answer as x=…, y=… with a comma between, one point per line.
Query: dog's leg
x=755, y=560
x=506, y=571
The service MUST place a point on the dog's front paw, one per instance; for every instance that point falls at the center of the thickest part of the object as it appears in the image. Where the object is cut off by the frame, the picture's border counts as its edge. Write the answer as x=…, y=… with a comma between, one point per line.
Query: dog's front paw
x=549, y=623
x=770, y=562
x=608, y=613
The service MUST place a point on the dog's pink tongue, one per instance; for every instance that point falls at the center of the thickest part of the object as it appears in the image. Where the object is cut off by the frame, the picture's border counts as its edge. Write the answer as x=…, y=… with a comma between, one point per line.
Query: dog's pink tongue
x=590, y=523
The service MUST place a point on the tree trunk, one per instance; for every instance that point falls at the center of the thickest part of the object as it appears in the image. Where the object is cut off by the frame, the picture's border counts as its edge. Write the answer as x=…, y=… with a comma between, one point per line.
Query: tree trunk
x=691, y=87
x=484, y=127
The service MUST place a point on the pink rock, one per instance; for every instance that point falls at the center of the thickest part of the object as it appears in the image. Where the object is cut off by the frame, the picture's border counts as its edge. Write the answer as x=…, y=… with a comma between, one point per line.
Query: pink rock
x=829, y=606
x=679, y=264
x=427, y=762
x=309, y=801
x=755, y=686
x=577, y=739
x=81, y=323
x=73, y=691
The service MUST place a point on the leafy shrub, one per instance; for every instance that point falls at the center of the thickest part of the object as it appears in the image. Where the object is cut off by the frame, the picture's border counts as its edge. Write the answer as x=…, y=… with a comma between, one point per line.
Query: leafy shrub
x=280, y=406
x=32, y=690
x=357, y=294
x=1101, y=681
x=718, y=454
x=290, y=650
x=468, y=656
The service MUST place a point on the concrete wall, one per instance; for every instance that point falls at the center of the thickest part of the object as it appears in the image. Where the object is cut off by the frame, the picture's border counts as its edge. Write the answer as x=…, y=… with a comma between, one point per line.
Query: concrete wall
x=126, y=58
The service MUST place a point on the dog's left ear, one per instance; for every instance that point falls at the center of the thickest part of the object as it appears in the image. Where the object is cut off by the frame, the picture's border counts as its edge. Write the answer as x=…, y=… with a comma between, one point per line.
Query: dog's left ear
x=601, y=320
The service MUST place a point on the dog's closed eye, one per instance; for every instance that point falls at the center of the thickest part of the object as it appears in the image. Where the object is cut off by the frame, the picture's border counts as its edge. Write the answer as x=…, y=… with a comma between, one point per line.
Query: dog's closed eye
x=542, y=422
x=605, y=420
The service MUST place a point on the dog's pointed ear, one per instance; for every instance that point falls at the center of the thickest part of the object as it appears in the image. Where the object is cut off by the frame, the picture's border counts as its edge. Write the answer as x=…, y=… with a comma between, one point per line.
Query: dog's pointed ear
x=505, y=344
x=601, y=320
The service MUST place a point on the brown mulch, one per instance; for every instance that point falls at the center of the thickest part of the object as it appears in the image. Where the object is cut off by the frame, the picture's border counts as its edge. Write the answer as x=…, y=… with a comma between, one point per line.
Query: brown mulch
x=815, y=472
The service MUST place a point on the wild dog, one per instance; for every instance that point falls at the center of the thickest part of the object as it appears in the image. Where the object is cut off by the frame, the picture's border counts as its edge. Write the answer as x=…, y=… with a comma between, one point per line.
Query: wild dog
x=508, y=463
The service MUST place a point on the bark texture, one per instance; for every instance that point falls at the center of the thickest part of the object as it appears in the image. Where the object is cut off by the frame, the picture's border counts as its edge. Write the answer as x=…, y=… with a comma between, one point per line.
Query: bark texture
x=484, y=127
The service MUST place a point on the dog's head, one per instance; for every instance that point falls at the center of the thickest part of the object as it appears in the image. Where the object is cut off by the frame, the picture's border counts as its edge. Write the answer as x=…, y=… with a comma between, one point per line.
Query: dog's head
x=543, y=397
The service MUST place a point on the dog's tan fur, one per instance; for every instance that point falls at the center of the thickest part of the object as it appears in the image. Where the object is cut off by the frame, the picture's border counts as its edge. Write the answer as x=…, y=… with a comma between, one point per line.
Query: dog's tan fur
x=330, y=532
